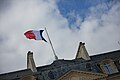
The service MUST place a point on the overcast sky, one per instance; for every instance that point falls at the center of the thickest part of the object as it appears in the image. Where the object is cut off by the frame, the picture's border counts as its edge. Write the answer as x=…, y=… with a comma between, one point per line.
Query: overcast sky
x=68, y=22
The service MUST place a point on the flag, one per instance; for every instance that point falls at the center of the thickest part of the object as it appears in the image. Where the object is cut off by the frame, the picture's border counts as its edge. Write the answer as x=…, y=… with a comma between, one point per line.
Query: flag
x=34, y=34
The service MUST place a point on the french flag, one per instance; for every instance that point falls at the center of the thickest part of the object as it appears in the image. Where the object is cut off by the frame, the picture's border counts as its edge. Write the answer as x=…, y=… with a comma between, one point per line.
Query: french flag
x=34, y=34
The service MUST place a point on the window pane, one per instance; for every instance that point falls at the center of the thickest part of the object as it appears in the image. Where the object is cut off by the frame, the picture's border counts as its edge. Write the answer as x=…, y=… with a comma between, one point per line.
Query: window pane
x=108, y=69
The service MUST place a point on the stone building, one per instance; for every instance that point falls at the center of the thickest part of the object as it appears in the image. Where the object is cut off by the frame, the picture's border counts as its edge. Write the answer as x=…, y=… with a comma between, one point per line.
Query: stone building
x=104, y=66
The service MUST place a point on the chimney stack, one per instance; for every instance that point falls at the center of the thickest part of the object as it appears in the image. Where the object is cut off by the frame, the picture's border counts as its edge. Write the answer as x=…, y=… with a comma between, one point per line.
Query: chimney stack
x=82, y=52
x=30, y=62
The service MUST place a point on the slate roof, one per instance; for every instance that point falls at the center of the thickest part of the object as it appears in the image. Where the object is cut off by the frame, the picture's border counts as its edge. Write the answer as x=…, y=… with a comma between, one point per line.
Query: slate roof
x=59, y=67
x=16, y=75
x=108, y=55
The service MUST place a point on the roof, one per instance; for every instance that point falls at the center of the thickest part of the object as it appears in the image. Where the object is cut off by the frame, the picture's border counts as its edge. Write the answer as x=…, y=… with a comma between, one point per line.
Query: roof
x=108, y=55
x=60, y=67
x=15, y=74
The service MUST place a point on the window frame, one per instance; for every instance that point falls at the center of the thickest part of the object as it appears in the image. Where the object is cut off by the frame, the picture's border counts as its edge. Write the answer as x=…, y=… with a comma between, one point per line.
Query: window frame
x=108, y=66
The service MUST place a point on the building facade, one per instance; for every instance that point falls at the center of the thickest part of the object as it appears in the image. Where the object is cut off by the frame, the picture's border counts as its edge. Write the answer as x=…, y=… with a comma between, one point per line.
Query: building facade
x=104, y=66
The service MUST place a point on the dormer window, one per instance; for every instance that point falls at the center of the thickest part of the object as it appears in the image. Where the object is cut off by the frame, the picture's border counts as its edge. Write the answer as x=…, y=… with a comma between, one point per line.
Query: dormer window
x=108, y=66
x=88, y=66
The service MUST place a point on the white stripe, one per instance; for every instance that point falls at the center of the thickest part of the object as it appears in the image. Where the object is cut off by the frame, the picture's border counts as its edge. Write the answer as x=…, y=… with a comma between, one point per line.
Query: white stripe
x=37, y=35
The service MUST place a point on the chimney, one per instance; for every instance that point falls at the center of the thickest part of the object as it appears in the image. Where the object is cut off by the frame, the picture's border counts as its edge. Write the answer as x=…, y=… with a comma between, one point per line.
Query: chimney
x=82, y=52
x=30, y=62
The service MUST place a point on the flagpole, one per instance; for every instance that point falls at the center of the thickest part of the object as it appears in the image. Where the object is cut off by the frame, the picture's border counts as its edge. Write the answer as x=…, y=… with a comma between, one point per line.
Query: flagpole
x=56, y=58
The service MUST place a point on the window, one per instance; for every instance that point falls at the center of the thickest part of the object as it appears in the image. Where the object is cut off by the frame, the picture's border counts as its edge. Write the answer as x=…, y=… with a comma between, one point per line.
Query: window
x=88, y=66
x=108, y=67
x=51, y=75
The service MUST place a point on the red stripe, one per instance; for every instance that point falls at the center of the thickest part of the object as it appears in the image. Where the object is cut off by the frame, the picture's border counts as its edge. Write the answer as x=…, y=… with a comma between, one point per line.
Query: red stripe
x=30, y=35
